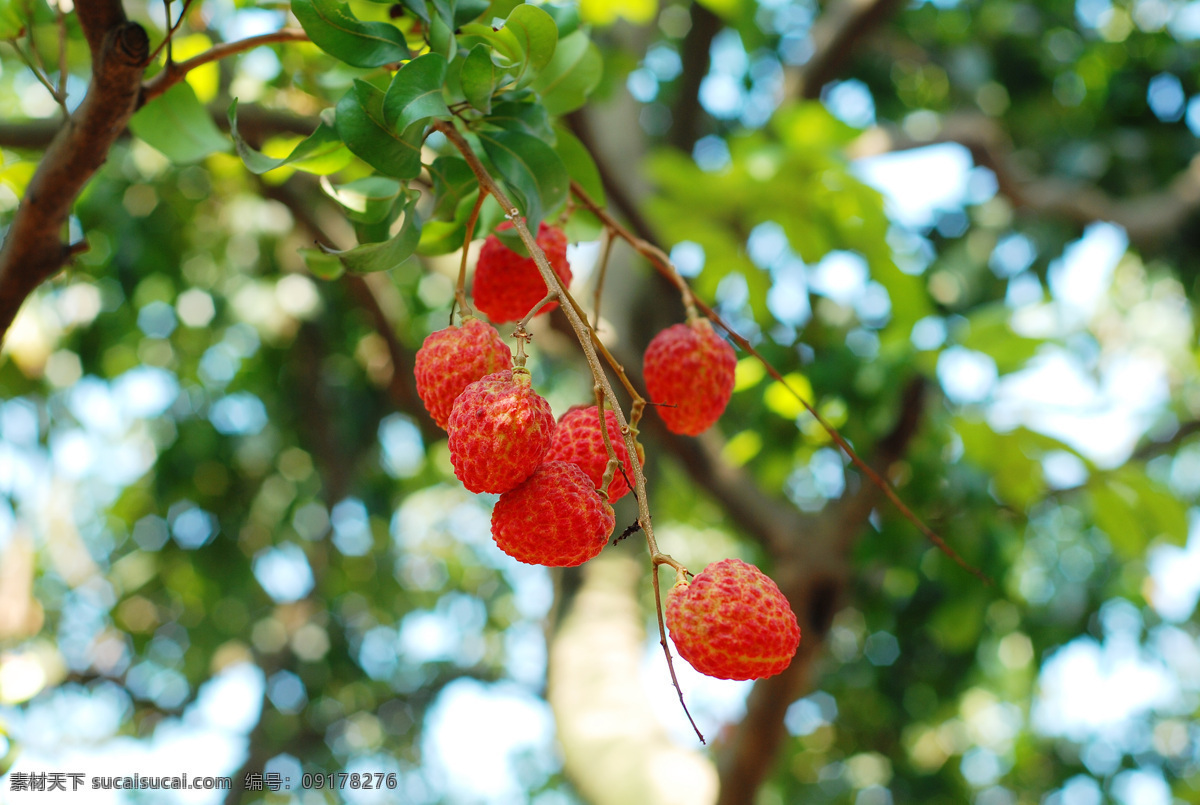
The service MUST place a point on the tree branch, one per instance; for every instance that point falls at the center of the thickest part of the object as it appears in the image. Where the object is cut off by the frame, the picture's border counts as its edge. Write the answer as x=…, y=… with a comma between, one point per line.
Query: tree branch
x=1148, y=219
x=174, y=72
x=835, y=35
x=34, y=249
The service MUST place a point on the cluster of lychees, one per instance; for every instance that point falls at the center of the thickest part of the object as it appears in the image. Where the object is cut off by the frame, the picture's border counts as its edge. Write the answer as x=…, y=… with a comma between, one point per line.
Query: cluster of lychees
x=731, y=621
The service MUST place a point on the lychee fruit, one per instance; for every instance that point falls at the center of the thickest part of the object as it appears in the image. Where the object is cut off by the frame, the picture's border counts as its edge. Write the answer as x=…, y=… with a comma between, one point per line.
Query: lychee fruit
x=555, y=518
x=689, y=369
x=732, y=622
x=499, y=430
x=507, y=285
x=577, y=439
x=452, y=359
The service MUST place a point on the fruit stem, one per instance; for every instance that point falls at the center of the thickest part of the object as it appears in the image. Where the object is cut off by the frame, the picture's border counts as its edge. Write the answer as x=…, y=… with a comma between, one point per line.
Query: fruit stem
x=587, y=340
x=610, y=469
x=662, y=639
x=648, y=250
x=550, y=297
x=460, y=291
x=667, y=269
x=609, y=240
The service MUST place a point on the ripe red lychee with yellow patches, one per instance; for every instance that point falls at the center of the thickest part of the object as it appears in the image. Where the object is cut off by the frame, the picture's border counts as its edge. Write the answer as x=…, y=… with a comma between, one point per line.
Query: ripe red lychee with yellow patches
x=577, y=439
x=499, y=430
x=689, y=369
x=555, y=518
x=452, y=359
x=732, y=622
x=507, y=285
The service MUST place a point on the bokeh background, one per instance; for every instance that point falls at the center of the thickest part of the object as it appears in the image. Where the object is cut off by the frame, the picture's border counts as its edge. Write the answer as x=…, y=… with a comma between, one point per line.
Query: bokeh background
x=231, y=540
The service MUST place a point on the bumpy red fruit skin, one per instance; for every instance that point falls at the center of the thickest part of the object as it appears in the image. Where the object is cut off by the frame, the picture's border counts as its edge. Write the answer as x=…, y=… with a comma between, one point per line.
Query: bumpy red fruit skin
x=507, y=285
x=732, y=622
x=499, y=430
x=690, y=369
x=452, y=359
x=577, y=439
x=555, y=518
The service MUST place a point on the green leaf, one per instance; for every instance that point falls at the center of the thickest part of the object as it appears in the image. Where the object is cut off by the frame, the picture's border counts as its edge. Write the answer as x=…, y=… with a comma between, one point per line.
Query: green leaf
x=991, y=334
x=334, y=29
x=415, y=93
x=1134, y=510
x=418, y=8
x=566, y=18
x=529, y=118
x=441, y=38
x=11, y=24
x=322, y=265
x=467, y=10
x=478, y=78
x=360, y=123
x=506, y=51
x=579, y=163
x=533, y=172
x=368, y=200
x=318, y=146
x=537, y=35
x=574, y=72
x=372, y=257
x=177, y=124
x=453, y=182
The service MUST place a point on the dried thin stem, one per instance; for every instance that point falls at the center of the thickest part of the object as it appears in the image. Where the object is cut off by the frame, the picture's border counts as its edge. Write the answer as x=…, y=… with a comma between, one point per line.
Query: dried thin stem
x=610, y=469
x=549, y=297
x=648, y=250
x=662, y=639
x=61, y=94
x=585, y=338
x=604, y=255
x=34, y=63
x=460, y=290
x=663, y=265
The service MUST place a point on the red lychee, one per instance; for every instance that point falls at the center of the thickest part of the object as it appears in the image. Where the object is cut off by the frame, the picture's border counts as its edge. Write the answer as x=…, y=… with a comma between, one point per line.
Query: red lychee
x=732, y=622
x=499, y=429
x=452, y=359
x=507, y=285
x=555, y=518
x=690, y=370
x=577, y=439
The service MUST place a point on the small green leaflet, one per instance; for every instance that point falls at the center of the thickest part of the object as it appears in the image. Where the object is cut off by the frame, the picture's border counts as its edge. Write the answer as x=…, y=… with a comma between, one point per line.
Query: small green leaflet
x=415, y=93
x=478, y=78
x=368, y=200
x=371, y=257
x=522, y=47
x=531, y=169
x=361, y=125
x=177, y=124
x=565, y=83
x=334, y=29
x=537, y=35
x=529, y=118
x=323, y=142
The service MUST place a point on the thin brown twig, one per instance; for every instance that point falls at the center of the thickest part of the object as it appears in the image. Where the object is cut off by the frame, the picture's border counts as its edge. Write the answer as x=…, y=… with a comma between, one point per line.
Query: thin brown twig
x=460, y=290
x=584, y=337
x=174, y=72
x=171, y=29
x=600, y=274
x=657, y=258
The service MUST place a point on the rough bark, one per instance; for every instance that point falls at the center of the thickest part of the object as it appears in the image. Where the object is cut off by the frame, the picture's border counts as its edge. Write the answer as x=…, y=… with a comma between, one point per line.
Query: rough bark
x=34, y=248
